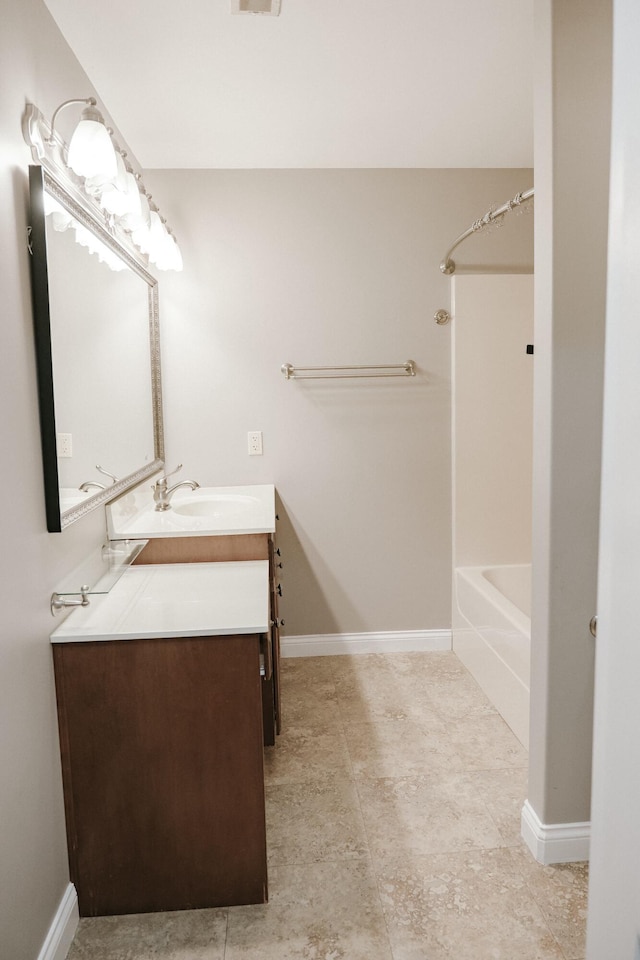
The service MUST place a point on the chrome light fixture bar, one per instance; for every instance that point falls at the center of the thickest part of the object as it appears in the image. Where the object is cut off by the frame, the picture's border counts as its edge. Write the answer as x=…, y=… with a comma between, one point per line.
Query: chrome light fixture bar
x=95, y=170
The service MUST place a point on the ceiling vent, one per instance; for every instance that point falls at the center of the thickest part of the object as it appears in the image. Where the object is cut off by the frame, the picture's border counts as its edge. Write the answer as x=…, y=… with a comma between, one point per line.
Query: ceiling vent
x=268, y=8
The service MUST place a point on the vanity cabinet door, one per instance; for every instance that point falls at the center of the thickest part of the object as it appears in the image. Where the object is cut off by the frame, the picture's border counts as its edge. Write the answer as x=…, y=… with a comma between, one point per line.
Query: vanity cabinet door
x=162, y=758
x=252, y=546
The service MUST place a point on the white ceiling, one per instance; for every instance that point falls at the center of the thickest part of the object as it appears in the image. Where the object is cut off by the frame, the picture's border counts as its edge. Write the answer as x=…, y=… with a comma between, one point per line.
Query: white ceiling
x=328, y=83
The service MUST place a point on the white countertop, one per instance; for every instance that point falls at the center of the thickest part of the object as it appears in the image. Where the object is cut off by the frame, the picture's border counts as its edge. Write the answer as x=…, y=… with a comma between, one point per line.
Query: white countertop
x=225, y=511
x=175, y=600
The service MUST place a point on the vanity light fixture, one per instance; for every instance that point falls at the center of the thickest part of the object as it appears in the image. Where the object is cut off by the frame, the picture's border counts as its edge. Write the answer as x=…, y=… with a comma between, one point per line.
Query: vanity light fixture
x=95, y=167
x=91, y=152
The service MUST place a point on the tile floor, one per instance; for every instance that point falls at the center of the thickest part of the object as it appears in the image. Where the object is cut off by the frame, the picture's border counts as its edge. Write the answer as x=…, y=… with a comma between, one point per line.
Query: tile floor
x=393, y=811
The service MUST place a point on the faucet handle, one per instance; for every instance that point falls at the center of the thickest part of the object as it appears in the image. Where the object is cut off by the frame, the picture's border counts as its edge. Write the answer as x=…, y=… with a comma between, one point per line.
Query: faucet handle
x=105, y=473
x=167, y=475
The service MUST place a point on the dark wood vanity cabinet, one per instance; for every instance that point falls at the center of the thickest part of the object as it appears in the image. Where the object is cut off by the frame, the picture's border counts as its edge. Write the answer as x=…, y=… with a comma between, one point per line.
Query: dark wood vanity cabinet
x=162, y=746
x=162, y=758
x=248, y=546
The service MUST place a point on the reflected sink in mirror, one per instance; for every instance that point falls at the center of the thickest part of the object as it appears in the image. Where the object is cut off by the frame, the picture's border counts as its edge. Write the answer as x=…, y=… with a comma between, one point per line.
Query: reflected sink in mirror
x=216, y=505
x=70, y=497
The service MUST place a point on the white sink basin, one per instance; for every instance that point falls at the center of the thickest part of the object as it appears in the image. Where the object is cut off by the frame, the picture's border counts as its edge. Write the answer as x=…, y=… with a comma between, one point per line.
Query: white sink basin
x=217, y=505
x=207, y=511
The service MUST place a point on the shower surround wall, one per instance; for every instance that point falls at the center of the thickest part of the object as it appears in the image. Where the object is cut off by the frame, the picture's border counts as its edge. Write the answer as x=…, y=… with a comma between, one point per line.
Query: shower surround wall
x=492, y=383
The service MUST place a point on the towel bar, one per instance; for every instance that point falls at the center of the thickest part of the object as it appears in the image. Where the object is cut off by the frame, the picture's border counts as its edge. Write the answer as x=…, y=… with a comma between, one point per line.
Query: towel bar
x=406, y=369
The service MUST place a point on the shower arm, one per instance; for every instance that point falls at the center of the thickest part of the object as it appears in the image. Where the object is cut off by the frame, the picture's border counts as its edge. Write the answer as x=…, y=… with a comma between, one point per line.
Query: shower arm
x=448, y=265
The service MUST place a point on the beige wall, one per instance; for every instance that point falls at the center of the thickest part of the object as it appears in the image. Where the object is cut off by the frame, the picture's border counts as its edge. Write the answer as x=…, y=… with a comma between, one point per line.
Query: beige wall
x=573, y=89
x=329, y=267
x=35, y=64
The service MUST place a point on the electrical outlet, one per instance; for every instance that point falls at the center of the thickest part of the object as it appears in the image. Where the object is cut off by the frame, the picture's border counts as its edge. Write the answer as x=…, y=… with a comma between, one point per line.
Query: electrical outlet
x=64, y=445
x=254, y=438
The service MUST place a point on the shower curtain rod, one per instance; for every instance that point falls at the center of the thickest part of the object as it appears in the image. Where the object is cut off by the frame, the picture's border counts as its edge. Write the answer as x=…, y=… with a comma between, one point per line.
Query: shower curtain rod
x=448, y=265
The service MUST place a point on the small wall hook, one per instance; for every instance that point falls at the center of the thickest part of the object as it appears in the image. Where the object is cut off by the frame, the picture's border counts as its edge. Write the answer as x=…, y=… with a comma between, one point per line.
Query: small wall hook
x=441, y=317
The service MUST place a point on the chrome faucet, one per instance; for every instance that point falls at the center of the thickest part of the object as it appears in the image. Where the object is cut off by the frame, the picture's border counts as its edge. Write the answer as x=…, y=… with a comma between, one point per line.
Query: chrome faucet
x=86, y=486
x=162, y=493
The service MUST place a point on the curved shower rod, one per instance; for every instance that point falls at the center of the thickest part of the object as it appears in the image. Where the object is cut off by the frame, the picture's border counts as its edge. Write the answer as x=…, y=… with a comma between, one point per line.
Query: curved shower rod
x=448, y=265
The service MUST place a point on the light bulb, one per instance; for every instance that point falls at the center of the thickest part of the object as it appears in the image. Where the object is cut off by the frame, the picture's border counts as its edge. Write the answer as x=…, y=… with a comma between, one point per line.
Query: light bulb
x=134, y=206
x=157, y=234
x=114, y=193
x=171, y=258
x=138, y=223
x=91, y=152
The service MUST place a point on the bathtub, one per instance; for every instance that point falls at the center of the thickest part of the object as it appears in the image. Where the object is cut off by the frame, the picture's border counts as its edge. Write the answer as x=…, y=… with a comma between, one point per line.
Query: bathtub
x=492, y=636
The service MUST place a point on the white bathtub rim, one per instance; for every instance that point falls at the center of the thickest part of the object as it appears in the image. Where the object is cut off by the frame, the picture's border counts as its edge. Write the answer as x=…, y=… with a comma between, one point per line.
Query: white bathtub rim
x=476, y=630
x=475, y=577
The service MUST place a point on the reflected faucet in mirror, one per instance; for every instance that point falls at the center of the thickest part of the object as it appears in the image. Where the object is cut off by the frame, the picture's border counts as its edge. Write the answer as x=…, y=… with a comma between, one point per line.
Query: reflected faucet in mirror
x=89, y=484
x=162, y=493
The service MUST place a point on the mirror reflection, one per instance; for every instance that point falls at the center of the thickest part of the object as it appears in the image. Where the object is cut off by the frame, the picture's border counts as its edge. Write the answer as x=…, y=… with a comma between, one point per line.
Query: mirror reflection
x=101, y=368
x=105, y=428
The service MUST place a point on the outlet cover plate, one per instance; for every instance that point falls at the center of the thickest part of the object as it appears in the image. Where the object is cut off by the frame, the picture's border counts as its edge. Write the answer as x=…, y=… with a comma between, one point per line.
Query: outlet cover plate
x=64, y=445
x=254, y=439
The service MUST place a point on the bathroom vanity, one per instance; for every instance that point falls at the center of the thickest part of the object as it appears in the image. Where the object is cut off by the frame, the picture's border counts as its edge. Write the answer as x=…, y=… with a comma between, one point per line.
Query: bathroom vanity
x=212, y=525
x=167, y=690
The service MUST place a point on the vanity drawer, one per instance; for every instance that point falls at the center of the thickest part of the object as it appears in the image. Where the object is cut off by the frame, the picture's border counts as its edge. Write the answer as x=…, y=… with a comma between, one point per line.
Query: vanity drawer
x=245, y=546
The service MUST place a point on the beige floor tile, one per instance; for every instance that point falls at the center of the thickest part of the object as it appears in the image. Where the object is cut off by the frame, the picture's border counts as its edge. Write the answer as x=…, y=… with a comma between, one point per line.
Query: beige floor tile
x=348, y=668
x=433, y=667
x=414, y=816
x=314, y=821
x=307, y=670
x=400, y=748
x=308, y=753
x=309, y=704
x=459, y=699
x=486, y=743
x=322, y=911
x=467, y=906
x=561, y=892
x=503, y=792
x=184, y=935
x=375, y=696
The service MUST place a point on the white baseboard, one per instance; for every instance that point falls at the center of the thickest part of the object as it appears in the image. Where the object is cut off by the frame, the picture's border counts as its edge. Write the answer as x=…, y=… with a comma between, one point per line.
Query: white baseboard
x=62, y=929
x=554, y=842
x=399, y=641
